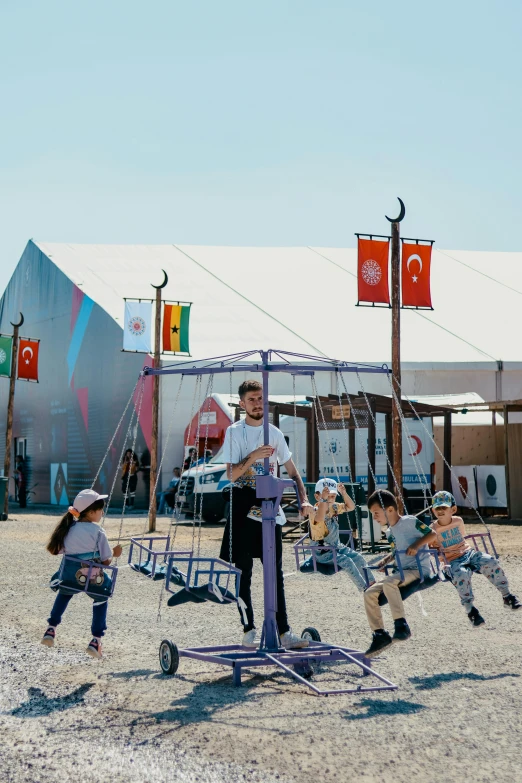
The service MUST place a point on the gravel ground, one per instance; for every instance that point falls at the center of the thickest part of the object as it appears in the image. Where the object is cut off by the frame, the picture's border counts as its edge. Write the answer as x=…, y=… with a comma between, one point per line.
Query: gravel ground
x=64, y=716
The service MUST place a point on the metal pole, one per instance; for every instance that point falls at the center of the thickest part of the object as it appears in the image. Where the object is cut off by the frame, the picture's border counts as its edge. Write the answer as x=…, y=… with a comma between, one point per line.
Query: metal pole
x=10, y=409
x=396, y=355
x=270, y=636
x=155, y=415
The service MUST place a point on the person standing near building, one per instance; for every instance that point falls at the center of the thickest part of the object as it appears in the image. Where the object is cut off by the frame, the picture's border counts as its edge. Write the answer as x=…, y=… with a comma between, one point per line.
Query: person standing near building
x=244, y=452
x=129, y=476
x=21, y=481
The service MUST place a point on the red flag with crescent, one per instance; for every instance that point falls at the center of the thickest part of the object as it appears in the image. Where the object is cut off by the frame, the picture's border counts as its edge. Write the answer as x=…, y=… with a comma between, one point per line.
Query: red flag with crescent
x=372, y=271
x=28, y=359
x=416, y=265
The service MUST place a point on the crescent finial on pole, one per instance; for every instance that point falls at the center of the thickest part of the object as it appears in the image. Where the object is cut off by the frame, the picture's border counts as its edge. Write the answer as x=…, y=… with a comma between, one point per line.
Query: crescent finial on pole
x=165, y=281
x=401, y=213
x=20, y=321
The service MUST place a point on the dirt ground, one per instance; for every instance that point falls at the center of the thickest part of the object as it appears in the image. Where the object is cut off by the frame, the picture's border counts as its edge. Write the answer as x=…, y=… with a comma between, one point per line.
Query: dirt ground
x=63, y=716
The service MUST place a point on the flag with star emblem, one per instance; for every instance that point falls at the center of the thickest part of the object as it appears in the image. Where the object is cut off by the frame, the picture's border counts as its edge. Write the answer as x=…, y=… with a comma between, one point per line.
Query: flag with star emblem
x=6, y=348
x=415, y=277
x=176, y=328
x=28, y=359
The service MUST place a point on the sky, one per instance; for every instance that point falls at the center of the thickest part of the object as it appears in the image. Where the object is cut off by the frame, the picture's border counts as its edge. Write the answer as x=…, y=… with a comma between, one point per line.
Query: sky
x=286, y=122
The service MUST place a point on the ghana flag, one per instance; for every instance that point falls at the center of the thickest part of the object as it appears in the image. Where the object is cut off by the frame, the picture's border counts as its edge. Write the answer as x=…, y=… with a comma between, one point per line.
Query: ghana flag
x=176, y=328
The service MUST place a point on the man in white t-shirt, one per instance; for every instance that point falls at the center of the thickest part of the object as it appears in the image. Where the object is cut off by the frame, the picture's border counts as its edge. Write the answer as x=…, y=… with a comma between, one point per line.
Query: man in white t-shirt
x=244, y=452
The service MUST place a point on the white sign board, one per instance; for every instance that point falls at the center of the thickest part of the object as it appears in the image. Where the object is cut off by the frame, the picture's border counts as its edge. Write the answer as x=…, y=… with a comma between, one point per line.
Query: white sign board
x=491, y=486
x=463, y=486
x=208, y=417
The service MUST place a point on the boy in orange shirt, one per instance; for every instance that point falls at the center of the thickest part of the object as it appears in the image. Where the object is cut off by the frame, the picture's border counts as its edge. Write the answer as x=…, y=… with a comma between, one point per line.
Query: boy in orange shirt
x=450, y=532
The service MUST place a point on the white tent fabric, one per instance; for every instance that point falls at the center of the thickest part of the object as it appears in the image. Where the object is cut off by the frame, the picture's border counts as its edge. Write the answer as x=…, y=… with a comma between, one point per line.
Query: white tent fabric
x=303, y=299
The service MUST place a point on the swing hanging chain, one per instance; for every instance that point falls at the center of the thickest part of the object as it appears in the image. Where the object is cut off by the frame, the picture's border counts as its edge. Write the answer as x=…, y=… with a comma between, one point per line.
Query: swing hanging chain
x=364, y=440
x=196, y=447
x=164, y=451
x=95, y=479
x=209, y=391
x=136, y=427
x=116, y=472
x=422, y=481
x=445, y=461
x=388, y=462
x=350, y=474
x=176, y=511
x=318, y=402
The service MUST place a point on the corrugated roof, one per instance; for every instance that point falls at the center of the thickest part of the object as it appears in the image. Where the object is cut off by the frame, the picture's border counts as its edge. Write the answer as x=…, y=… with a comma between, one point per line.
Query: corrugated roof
x=303, y=299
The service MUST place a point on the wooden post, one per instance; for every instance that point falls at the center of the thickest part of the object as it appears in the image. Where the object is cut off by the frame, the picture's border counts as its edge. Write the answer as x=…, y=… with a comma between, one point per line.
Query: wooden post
x=446, y=472
x=237, y=413
x=351, y=450
x=389, y=452
x=314, y=476
x=10, y=410
x=506, y=459
x=275, y=416
x=155, y=415
x=371, y=446
x=396, y=356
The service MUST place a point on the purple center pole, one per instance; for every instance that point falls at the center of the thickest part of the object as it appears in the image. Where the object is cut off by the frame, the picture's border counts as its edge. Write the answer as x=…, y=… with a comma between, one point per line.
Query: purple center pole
x=270, y=635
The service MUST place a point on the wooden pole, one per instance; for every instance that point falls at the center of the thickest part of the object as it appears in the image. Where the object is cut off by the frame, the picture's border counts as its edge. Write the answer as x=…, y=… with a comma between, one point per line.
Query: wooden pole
x=396, y=355
x=10, y=409
x=371, y=446
x=155, y=415
x=506, y=460
x=389, y=451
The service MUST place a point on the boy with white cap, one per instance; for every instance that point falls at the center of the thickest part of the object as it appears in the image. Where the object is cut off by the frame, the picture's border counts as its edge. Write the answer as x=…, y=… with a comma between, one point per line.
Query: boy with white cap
x=449, y=535
x=78, y=534
x=324, y=529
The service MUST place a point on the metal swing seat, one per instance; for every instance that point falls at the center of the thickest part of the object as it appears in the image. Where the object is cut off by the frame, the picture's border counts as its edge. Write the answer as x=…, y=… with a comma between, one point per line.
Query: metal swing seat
x=146, y=559
x=81, y=575
x=269, y=490
x=306, y=551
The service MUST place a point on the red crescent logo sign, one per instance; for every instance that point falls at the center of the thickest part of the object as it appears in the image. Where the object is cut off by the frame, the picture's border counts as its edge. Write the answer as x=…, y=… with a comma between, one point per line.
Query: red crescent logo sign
x=418, y=445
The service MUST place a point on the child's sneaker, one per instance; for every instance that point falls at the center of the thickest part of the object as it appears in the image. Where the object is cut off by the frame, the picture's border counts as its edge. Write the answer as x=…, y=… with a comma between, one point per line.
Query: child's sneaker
x=512, y=602
x=476, y=618
x=49, y=637
x=381, y=640
x=402, y=631
x=95, y=648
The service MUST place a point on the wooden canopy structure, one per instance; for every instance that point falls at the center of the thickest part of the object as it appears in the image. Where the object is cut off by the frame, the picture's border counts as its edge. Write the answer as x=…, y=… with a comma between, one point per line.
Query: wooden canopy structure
x=357, y=408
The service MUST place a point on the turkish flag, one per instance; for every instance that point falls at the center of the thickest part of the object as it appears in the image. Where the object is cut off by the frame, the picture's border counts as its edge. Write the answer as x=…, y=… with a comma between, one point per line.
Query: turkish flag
x=28, y=359
x=416, y=264
x=372, y=271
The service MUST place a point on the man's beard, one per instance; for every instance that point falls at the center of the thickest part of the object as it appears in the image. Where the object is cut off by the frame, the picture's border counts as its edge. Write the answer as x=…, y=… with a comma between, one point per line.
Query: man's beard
x=256, y=416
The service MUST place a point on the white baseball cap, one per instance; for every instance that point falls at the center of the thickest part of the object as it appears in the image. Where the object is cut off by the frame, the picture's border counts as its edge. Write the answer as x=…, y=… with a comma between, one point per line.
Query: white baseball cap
x=86, y=498
x=326, y=483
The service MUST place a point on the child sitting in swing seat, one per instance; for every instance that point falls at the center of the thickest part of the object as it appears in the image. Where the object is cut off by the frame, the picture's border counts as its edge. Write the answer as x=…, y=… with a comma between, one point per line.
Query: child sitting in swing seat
x=78, y=534
x=324, y=530
x=449, y=537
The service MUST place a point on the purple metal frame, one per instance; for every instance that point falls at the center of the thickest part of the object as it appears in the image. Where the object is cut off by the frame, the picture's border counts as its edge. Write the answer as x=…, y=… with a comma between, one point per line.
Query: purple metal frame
x=269, y=490
x=151, y=553
x=302, y=549
x=213, y=571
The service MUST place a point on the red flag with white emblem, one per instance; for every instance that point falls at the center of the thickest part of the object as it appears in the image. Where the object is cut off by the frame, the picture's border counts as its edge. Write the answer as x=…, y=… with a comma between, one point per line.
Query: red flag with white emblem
x=416, y=265
x=28, y=359
x=372, y=271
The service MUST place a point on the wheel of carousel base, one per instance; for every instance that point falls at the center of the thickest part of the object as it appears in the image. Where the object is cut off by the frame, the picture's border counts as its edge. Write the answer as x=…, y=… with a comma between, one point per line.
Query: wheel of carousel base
x=168, y=657
x=312, y=634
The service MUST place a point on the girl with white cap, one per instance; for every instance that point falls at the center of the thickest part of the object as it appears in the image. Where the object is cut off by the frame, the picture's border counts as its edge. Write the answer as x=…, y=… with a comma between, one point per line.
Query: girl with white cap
x=78, y=534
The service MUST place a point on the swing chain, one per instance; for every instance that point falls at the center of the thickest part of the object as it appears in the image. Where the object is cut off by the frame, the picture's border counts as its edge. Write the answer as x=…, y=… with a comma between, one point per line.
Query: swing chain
x=95, y=479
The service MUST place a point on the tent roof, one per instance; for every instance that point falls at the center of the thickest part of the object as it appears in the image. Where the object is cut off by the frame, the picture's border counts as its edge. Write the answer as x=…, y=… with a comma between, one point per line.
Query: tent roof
x=303, y=299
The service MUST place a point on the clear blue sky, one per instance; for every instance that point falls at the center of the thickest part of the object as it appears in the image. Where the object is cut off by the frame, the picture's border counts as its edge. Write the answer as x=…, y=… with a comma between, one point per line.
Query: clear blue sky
x=269, y=123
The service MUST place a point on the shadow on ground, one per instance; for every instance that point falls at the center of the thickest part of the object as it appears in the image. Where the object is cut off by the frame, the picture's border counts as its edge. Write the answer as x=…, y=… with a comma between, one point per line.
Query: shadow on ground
x=380, y=707
x=39, y=704
x=434, y=681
